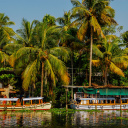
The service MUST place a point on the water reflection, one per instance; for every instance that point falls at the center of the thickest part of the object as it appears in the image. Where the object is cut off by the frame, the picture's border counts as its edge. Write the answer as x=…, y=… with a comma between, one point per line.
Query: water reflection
x=68, y=120
x=33, y=119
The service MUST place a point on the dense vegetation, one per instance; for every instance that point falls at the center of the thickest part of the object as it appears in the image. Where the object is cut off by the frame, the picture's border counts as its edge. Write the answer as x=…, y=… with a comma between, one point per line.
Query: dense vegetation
x=84, y=50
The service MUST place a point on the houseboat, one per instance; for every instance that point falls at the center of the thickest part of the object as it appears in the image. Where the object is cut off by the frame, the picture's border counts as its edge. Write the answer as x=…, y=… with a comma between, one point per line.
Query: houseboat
x=101, y=98
x=33, y=103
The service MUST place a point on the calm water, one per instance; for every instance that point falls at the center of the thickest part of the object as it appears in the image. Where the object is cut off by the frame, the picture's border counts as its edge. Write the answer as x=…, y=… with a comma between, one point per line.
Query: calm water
x=81, y=119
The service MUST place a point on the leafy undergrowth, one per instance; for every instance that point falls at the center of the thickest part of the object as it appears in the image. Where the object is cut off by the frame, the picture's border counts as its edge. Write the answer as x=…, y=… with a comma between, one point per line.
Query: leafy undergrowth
x=63, y=110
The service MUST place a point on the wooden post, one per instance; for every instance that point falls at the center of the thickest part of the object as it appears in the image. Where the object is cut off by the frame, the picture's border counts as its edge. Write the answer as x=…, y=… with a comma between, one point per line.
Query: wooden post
x=31, y=102
x=39, y=101
x=114, y=101
x=66, y=99
x=96, y=102
x=120, y=103
x=23, y=102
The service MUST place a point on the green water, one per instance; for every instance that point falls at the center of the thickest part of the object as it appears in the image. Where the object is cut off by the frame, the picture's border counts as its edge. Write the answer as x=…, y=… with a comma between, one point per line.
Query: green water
x=71, y=119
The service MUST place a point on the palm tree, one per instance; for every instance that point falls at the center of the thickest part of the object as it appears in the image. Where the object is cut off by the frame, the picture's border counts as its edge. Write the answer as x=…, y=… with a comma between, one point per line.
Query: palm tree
x=69, y=38
x=90, y=16
x=44, y=56
x=110, y=56
x=65, y=21
x=6, y=36
x=26, y=33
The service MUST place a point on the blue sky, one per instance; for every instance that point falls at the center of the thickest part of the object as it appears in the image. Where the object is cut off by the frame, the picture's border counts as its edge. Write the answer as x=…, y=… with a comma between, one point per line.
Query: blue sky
x=36, y=9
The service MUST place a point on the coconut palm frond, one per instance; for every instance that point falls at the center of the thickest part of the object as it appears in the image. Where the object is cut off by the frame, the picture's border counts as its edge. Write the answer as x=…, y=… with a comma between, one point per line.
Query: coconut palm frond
x=82, y=31
x=121, y=61
x=12, y=47
x=76, y=3
x=12, y=60
x=20, y=38
x=9, y=31
x=79, y=10
x=3, y=57
x=123, y=65
x=25, y=51
x=49, y=69
x=97, y=51
x=97, y=27
x=110, y=37
x=61, y=51
x=65, y=78
x=57, y=64
x=28, y=75
x=110, y=11
x=60, y=68
x=53, y=29
x=116, y=70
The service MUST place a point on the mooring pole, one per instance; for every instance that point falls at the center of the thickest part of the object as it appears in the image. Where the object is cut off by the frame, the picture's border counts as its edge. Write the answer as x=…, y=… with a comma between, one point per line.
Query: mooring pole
x=120, y=103
x=66, y=99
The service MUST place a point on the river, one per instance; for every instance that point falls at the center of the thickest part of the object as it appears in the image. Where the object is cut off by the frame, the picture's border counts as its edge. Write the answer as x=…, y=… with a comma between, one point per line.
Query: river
x=77, y=119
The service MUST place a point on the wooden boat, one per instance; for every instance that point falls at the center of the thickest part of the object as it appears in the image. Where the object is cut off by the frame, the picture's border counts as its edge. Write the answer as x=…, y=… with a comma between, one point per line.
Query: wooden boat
x=99, y=103
x=33, y=103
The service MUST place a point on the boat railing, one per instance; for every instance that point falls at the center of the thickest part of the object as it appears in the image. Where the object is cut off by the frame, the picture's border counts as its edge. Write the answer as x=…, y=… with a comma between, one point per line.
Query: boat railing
x=97, y=100
x=31, y=101
x=100, y=101
x=9, y=102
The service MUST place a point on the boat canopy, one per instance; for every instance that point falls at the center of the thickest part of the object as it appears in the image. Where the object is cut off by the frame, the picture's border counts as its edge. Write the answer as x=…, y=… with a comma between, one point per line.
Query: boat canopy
x=33, y=98
x=9, y=99
x=106, y=91
x=96, y=99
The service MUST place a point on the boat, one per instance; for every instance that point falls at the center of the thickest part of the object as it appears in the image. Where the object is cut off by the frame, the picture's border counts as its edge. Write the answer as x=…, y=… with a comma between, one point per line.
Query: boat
x=32, y=103
x=100, y=98
x=99, y=104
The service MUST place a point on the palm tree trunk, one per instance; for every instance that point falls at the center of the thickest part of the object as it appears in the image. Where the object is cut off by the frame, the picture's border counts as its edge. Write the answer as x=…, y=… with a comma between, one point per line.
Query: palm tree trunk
x=42, y=76
x=90, y=66
x=72, y=74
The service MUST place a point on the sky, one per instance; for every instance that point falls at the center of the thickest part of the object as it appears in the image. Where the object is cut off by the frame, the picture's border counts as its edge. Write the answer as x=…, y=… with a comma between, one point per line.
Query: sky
x=16, y=10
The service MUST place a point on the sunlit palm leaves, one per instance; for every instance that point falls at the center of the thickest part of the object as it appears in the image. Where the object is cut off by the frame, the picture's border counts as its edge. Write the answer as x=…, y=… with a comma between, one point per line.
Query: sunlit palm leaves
x=6, y=35
x=110, y=56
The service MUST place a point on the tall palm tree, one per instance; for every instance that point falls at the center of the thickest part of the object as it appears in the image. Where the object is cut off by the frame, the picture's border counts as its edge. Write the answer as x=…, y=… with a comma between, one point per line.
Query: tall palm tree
x=110, y=56
x=44, y=56
x=24, y=38
x=90, y=16
x=69, y=38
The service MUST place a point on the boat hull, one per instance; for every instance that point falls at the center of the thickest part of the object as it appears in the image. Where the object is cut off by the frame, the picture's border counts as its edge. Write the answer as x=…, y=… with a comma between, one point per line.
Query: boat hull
x=99, y=107
x=45, y=106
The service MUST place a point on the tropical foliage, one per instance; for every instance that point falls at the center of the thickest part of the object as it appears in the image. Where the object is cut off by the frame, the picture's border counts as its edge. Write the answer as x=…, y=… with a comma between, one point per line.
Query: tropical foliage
x=42, y=56
x=110, y=56
x=90, y=17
